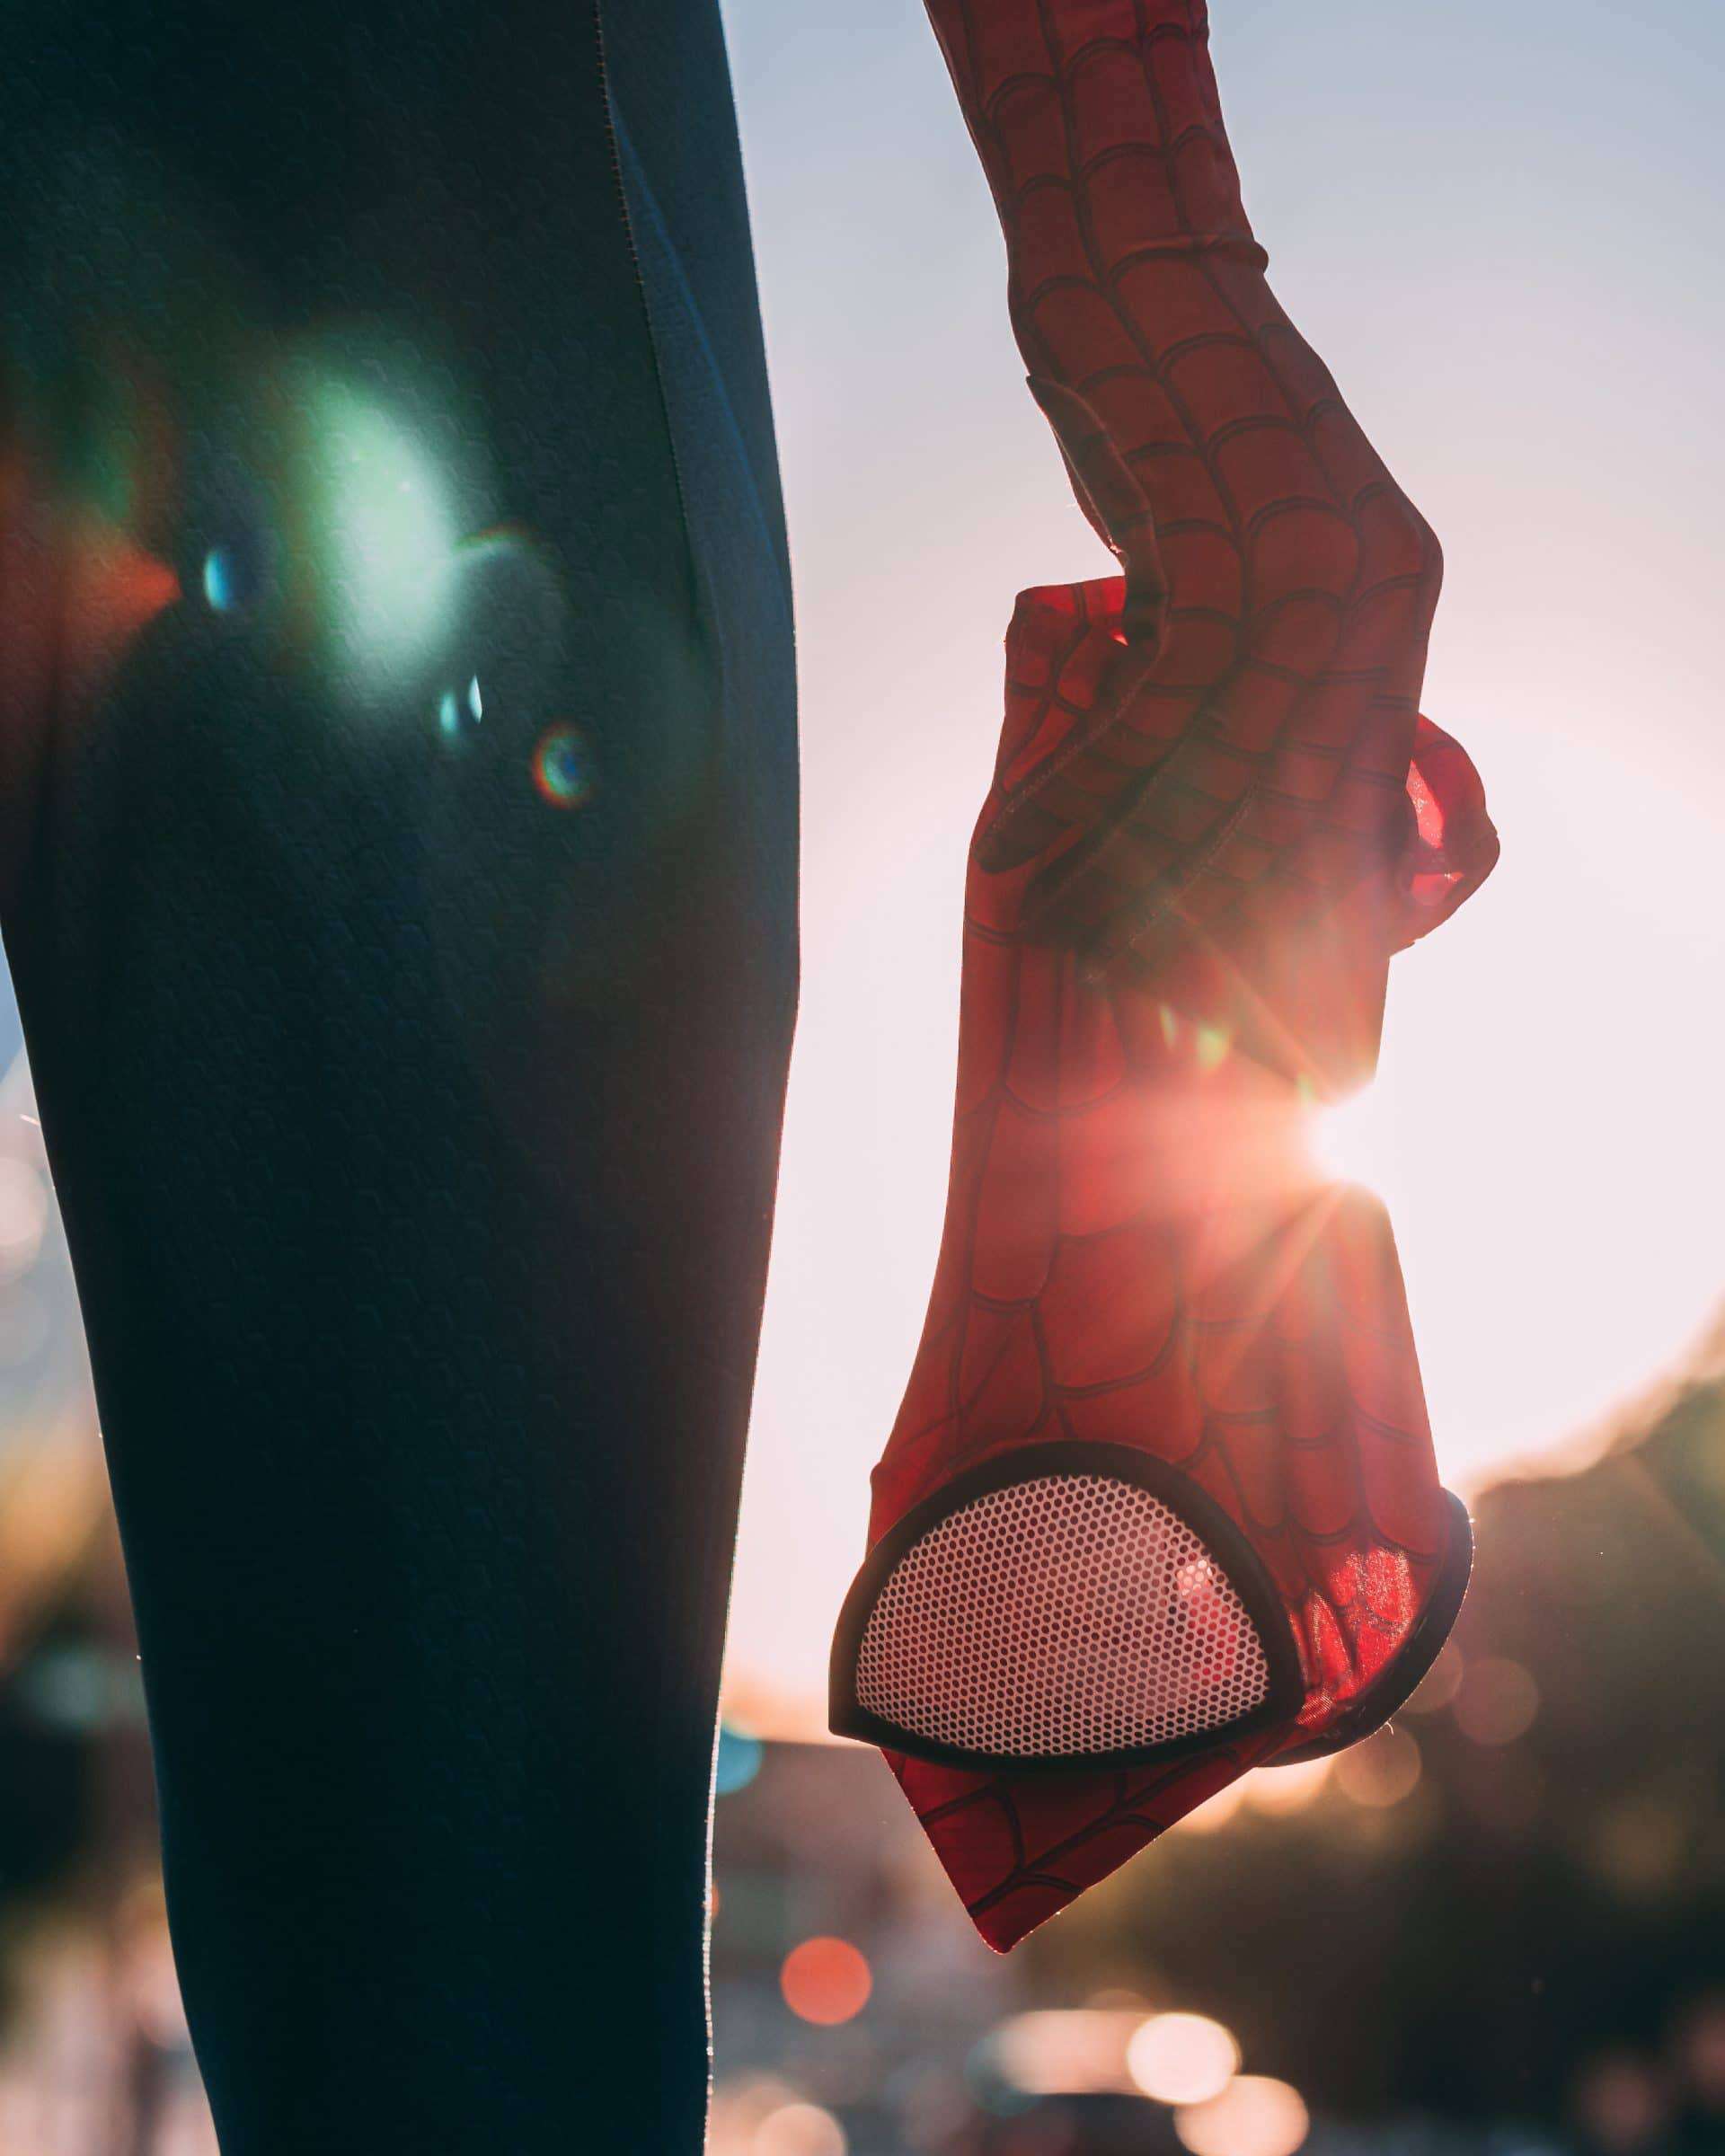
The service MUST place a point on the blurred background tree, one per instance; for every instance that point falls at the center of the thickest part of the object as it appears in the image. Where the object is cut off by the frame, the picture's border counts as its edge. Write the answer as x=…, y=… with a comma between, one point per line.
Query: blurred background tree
x=1529, y=1868
x=1505, y=1915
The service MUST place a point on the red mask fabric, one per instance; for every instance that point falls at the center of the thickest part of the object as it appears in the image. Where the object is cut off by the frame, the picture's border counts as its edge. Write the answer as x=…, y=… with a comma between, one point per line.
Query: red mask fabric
x=1161, y=1503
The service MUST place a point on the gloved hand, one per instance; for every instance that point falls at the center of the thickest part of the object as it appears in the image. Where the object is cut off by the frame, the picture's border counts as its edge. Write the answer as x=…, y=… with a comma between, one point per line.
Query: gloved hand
x=1161, y=1503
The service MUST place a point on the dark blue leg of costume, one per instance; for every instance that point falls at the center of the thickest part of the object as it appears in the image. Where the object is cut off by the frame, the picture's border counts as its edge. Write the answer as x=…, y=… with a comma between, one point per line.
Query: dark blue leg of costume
x=411, y=1057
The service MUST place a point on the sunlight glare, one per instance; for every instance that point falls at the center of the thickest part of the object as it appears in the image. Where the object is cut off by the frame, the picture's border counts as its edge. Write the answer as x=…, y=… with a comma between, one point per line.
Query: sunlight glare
x=1353, y=1141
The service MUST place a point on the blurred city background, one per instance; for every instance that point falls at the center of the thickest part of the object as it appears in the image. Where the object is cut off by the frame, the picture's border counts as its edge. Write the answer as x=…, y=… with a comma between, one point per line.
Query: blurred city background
x=1501, y=1925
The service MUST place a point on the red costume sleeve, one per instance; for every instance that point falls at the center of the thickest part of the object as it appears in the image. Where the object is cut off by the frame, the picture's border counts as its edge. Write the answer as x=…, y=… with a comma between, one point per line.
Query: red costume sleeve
x=1161, y=1503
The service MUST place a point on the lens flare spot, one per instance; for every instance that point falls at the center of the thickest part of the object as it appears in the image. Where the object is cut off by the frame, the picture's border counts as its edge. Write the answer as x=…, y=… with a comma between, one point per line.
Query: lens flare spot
x=232, y=577
x=825, y=1981
x=563, y=767
x=380, y=521
x=459, y=711
x=1213, y=1045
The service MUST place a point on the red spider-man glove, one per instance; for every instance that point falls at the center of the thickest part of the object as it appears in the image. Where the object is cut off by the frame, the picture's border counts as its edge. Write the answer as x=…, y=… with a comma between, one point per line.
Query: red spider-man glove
x=1161, y=1503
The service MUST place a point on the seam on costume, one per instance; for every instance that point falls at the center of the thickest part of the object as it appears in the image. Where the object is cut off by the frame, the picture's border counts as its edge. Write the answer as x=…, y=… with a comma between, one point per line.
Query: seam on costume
x=696, y=581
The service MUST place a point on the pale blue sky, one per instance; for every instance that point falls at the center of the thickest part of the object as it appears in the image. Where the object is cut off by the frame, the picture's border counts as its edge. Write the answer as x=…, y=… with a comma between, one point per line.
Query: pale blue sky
x=1498, y=223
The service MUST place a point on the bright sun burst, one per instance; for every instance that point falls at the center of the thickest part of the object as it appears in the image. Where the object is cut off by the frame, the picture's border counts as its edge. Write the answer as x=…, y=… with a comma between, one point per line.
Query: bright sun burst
x=1353, y=1141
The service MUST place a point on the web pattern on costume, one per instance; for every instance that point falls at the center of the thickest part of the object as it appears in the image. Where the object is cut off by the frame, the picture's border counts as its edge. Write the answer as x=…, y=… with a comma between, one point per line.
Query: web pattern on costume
x=1216, y=813
x=1245, y=759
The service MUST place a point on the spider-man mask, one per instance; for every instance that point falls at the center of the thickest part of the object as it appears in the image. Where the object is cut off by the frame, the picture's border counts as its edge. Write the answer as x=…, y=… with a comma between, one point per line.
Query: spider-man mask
x=1160, y=1504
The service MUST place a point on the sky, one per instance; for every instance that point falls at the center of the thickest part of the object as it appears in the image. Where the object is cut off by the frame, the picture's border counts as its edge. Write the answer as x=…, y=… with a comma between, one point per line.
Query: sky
x=1498, y=225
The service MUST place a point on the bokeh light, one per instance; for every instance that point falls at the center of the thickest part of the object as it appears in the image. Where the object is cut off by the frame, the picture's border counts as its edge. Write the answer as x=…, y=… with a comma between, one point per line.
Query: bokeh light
x=1621, y=2103
x=800, y=2130
x=738, y=1763
x=1182, y=2058
x=741, y=2104
x=825, y=1981
x=563, y=769
x=1076, y=2051
x=1381, y=1772
x=1254, y=2116
x=1700, y=2047
x=1497, y=1701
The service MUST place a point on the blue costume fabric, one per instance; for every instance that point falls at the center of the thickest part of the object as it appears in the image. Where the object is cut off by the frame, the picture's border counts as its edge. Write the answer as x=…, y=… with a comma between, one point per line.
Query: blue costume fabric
x=397, y=852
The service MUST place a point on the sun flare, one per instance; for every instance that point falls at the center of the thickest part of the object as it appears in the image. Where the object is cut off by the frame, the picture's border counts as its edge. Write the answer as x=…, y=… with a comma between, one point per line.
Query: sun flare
x=1353, y=1141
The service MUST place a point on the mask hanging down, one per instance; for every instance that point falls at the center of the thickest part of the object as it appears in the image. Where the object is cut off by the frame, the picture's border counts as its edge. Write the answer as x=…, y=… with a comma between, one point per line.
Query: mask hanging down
x=1161, y=1503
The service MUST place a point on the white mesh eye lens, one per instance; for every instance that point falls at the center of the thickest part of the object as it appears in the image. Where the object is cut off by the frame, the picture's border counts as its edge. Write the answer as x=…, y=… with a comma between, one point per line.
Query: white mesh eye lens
x=1071, y=1615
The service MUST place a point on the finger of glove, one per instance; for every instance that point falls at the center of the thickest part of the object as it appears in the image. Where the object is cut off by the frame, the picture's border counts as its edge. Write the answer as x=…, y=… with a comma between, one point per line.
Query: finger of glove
x=1075, y=777
x=1111, y=497
x=1317, y=723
